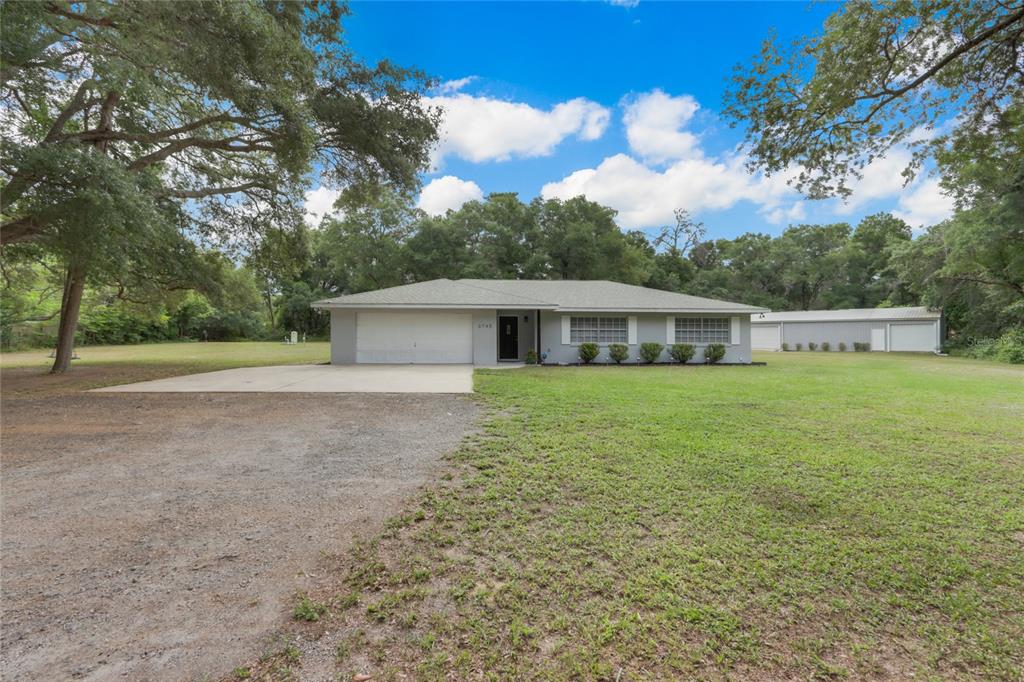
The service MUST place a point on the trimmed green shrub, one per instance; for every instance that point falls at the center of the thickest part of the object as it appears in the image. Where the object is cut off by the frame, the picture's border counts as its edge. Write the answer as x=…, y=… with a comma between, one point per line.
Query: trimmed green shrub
x=785, y=346
x=842, y=347
x=682, y=352
x=588, y=351
x=618, y=352
x=812, y=346
x=714, y=352
x=531, y=357
x=798, y=346
x=825, y=346
x=650, y=352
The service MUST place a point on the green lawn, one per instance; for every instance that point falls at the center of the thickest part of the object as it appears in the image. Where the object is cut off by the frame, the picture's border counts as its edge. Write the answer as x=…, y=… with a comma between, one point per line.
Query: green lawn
x=202, y=356
x=857, y=516
x=25, y=374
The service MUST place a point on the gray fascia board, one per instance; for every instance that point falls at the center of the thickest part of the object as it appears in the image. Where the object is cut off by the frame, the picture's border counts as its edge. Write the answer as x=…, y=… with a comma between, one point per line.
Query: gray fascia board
x=876, y=320
x=667, y=311
x=327, y=305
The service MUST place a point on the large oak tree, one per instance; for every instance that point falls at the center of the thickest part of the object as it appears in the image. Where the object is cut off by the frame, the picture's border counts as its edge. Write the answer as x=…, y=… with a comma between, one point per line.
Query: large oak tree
x=127, y=123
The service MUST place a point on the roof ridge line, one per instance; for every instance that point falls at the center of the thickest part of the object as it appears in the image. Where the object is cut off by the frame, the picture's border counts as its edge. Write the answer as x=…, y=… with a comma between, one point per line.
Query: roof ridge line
x=464, y=283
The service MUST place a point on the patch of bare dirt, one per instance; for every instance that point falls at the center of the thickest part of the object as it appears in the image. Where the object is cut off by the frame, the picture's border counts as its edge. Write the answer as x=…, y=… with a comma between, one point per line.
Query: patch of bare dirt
x=165, y=535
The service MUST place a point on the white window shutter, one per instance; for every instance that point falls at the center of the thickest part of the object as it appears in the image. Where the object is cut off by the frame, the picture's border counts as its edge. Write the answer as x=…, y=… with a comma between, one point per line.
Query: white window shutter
x=670, y=330
x=734, y=333
x=565, y=329
x=632, y=330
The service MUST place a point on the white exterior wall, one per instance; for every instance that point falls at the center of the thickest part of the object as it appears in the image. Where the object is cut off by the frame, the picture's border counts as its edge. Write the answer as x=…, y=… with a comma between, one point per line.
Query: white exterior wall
x=485, y=337
x=851, y=332
x=343, y=337
x=650, y=327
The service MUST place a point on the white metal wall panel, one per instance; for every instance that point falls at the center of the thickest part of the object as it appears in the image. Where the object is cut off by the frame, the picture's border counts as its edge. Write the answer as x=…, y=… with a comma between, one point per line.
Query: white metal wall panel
x=766, y=336
x=907, y=336
x=414, y=337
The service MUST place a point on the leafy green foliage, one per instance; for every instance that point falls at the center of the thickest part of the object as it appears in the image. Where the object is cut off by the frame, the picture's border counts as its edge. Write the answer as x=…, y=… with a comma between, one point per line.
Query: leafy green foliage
x=618, y=352
x=588, y=351
x=812, y=346
x=714, y=352
x=650, y=351
x=531, y=357
x=682, y=352
x=117, y=168
x=1007, y=348
x=877, y=75
x=826, y=346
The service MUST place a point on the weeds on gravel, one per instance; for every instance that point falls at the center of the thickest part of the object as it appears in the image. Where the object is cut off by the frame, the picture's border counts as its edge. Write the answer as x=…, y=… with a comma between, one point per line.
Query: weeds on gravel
x=308, y=610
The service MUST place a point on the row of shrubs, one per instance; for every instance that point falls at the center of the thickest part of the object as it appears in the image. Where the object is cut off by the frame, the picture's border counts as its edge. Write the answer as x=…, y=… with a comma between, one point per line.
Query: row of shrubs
x=651, y=352
x=826, y=346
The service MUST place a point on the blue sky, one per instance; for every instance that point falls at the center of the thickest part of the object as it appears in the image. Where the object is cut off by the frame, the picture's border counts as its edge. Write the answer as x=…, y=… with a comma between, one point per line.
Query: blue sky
x=619, y=103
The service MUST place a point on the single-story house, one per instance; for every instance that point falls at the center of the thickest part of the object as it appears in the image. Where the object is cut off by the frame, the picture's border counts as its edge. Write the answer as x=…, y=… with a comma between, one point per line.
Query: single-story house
x=484, y=322
x=884, y=329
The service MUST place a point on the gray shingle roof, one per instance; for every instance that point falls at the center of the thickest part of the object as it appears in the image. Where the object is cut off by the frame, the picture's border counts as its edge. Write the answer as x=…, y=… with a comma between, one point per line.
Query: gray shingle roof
x=437, y=293
x=850, y=315
x=569, y=295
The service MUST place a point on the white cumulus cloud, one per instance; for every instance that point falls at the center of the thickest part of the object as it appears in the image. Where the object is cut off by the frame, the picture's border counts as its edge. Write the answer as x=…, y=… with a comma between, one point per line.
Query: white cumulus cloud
x=448, y=192
x=782, y=214
x=481, y=129
x=449, y=87
x=654, y=122
x=924, y=204
x=319, y=203
x=646, y=197
x=881, y=179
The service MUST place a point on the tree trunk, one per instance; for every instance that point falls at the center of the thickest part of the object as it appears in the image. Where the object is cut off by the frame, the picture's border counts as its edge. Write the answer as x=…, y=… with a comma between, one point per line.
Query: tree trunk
x=70, y=306
x=269, y=297
x=74, y=285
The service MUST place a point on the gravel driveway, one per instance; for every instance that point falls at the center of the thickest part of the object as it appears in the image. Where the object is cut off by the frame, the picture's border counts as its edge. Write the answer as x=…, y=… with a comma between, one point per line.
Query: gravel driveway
x=165, y=535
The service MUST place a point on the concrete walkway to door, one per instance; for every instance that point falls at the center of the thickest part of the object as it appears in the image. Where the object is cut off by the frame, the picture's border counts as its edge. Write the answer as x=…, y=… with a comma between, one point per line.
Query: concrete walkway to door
x=314, y=379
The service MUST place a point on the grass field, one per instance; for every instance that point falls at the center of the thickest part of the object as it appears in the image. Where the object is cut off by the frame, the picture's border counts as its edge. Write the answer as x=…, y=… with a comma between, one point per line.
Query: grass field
x=203, y=356
x=826, y=516
x=25, y=372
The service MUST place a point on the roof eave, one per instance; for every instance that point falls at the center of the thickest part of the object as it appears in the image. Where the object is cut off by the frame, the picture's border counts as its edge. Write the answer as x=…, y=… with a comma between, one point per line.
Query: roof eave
x=329, y=305
x=916, y=318
x=742, y=311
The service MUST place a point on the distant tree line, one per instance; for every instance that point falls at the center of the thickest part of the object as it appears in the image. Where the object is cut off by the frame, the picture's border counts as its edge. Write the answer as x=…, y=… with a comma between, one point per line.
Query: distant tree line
x=384, y=241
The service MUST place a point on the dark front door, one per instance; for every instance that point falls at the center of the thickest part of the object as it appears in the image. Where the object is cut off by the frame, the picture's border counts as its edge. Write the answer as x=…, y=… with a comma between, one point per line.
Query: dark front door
x=508, y=338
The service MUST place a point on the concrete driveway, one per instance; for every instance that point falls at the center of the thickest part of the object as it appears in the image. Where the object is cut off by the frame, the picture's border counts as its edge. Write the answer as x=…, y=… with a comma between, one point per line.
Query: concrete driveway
x=315, y=379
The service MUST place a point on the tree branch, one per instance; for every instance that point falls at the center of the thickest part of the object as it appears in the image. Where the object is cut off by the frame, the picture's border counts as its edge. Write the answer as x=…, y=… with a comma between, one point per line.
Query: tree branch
x=211, y=191
x=105, y=22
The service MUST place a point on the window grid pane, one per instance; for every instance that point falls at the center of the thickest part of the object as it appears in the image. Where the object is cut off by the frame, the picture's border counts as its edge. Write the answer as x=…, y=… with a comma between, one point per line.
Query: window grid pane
x=603, y=330
x=702, y=330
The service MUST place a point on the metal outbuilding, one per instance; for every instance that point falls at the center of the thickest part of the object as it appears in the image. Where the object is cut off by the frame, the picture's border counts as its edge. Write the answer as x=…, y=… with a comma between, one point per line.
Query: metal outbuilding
x=915, y=329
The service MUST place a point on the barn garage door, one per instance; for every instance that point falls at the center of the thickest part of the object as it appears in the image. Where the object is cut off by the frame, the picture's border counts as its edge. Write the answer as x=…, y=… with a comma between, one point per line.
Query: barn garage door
x=912, y=337
x=765, y=336
x=414, y=337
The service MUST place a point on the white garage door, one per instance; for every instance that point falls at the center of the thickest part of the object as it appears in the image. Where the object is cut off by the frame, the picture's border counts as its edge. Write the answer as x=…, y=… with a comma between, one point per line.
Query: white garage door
x=765, y=336
x=918, y=336
x=414, y=337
